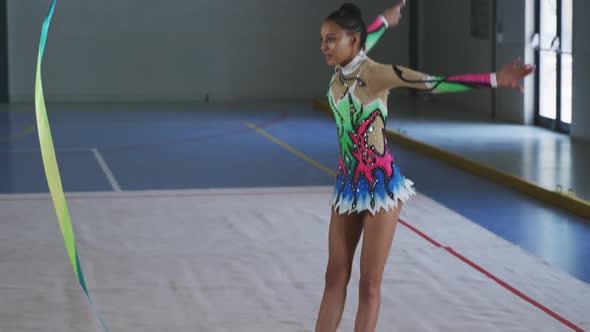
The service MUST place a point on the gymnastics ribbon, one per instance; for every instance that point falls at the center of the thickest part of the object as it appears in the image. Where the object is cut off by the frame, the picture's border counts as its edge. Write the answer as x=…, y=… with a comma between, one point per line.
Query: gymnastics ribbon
x=51, y=168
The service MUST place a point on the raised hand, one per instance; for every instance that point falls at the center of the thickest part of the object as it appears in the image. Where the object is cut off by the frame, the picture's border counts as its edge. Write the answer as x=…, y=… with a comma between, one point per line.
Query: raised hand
x=511, y=75
x=393, y=14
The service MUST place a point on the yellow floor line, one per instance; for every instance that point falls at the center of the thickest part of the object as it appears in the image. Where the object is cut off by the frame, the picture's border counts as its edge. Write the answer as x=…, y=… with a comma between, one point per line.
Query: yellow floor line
x=24, y=133
x=292, y=149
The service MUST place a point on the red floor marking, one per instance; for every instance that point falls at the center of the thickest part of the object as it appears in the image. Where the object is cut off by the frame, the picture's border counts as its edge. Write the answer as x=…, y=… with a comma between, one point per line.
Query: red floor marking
x=494, y=278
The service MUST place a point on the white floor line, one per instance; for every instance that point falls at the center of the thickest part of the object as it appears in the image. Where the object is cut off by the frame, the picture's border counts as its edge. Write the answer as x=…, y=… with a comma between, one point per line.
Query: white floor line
x=107, y=171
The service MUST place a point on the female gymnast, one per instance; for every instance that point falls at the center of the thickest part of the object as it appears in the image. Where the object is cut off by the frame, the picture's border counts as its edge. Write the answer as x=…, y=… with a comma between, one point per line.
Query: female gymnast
x=370, y=189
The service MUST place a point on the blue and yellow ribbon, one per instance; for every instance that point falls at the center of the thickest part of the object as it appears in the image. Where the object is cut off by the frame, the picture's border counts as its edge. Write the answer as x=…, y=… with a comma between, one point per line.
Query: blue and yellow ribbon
x=51, y=168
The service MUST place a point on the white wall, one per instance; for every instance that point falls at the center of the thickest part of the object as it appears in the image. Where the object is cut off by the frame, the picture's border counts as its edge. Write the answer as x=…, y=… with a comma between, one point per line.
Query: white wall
x=515, y=21
x=447, y=48
x=581, y=71
x=134, y=50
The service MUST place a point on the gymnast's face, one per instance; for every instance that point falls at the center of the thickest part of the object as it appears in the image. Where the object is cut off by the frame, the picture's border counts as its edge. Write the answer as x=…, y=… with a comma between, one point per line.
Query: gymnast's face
x=338, y=46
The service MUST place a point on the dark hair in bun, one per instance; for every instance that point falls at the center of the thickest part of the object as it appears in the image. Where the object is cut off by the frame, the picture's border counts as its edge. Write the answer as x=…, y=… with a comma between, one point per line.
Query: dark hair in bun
x=352, y=9
x=349, y=18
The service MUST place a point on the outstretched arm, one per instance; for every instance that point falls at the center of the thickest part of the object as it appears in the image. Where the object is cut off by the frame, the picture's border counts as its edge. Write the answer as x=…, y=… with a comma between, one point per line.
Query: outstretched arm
x=442, y=84
x=397, y=76
x=375, y=31
x=390, y=18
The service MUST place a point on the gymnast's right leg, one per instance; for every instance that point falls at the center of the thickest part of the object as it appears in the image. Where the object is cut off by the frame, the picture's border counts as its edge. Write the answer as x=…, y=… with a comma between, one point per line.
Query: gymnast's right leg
x=344, y=234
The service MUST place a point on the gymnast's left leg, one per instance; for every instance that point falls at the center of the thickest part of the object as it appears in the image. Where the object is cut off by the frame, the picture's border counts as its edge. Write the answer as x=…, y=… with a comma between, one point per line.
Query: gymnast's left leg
x=378, y=233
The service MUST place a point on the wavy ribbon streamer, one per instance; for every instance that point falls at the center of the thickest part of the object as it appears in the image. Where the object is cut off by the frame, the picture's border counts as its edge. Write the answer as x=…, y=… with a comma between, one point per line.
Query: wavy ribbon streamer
x=51, y=168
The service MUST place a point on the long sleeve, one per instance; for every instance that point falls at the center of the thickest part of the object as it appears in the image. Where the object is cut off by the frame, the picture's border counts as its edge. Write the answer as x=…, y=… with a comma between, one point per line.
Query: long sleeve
x=374, y=32
x=393, y=76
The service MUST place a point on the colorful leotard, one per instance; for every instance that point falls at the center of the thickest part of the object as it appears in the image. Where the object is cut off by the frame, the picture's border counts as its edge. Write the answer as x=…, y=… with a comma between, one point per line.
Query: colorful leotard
x=368, y=178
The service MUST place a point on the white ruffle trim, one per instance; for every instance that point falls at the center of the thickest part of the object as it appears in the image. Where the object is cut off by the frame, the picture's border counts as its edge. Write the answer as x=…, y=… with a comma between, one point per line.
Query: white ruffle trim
x=364, y=204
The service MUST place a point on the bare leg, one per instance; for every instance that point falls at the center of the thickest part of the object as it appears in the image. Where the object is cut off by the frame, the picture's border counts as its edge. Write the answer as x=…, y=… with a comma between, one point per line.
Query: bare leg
x=378, y=235
x=344, y=234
